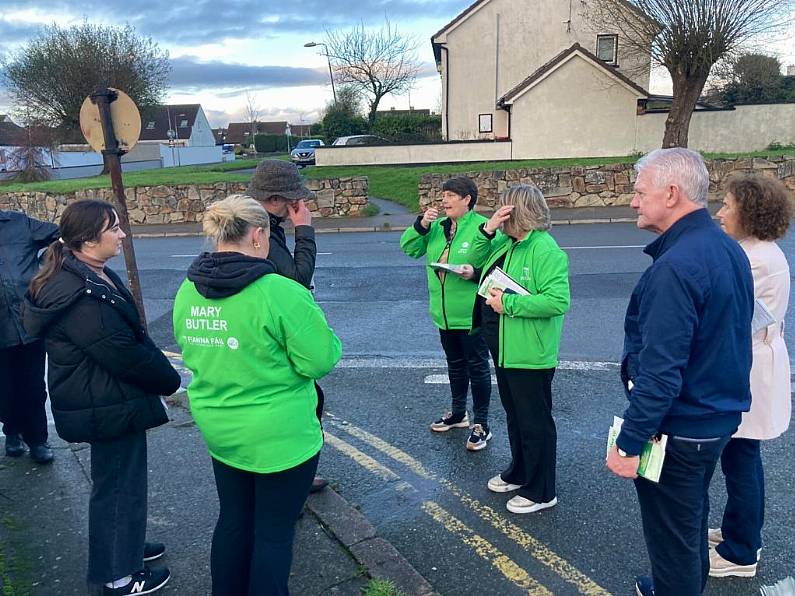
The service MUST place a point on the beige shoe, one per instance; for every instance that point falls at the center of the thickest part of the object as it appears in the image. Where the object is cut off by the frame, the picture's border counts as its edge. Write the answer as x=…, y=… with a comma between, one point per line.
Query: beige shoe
x=715, y=537
x=498, y=485
x=446, y=422
x=519, y=504
x=720, y=567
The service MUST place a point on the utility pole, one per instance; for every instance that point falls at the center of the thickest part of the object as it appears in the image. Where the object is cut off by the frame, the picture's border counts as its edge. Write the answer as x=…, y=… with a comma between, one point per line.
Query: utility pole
x=111, y=156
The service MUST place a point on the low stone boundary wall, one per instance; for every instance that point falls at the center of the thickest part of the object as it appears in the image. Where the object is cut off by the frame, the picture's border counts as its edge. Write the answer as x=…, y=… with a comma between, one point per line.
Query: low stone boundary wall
x=334, y=197
x=592, y=186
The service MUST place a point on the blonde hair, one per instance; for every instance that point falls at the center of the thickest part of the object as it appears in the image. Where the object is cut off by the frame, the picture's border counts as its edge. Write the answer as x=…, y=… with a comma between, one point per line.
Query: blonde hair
x=230, y=219
x=530, y=209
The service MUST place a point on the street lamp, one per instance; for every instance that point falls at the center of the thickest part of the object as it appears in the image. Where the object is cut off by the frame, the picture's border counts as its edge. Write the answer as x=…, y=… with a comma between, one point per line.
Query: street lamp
x=313, y=44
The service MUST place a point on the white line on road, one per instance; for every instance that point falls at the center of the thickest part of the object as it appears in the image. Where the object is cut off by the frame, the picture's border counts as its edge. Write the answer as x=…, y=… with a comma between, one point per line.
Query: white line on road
x=604, y=246
x=376, y=362
x=182, y=256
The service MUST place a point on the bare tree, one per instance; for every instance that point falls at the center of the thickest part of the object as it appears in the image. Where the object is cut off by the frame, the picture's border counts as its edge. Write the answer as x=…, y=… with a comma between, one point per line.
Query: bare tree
x=253, y=111
x=687, y=38
x=375, y=63
x=28, y=160
x=52, y=75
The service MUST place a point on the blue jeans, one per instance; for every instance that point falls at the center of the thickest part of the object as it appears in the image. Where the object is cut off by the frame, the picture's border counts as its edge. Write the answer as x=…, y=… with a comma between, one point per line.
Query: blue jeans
x=468, y=363
x=675, y=512
x=744, y=515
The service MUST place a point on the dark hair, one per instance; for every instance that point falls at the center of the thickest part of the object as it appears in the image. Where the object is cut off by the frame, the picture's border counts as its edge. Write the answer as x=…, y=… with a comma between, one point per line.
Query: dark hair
x=764, y=205
x=462, y=186
x=82, y=221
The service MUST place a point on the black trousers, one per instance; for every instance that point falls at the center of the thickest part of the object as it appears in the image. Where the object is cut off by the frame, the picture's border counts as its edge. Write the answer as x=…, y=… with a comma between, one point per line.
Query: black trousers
x=117, y=509
x=252, y=548
x=468, y=363
x=23, y=393
x=675, y=513
x=526, y=395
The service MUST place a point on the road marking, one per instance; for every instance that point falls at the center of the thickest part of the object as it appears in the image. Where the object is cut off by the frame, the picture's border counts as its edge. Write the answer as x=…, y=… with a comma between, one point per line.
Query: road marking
x=445, y=380
x=361, y=458
x=182, y=256
x=485, y=550
x=325, y=253
x=603, y=246
x=534, y=547
x=402, y=362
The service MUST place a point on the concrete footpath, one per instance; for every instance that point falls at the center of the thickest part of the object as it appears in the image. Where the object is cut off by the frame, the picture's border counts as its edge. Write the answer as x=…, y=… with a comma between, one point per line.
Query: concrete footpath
x=44, y=524
x=395, y=218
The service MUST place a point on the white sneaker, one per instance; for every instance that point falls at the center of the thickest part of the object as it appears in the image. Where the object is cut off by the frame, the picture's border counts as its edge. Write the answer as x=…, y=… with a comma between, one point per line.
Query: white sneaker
x=519, y=504
x=715, y=537
x=498, y=485
x=720, y=567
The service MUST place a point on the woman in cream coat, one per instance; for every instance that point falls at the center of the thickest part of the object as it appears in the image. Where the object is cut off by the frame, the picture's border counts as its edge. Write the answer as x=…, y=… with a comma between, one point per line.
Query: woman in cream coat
x=756, y=211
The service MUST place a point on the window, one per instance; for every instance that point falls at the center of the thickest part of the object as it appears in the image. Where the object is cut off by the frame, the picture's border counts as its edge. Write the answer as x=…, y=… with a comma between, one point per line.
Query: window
x=183, y=124
x=150, y=126
x=607, y=48
x=485, y=123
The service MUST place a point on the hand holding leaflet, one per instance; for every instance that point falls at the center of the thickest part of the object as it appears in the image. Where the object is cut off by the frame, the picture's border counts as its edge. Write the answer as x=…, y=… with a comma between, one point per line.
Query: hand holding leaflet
x=652, y=456
x=456, y=269
x=499, y=280
x=762, y=316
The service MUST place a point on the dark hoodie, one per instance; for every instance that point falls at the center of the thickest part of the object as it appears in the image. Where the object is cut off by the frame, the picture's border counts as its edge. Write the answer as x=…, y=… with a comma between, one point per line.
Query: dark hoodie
x=224, y=274
x=105, y=373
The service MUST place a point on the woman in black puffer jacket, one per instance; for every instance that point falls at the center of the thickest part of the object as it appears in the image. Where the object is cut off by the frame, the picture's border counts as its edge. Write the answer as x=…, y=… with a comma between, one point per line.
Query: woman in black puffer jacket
x=106, y=377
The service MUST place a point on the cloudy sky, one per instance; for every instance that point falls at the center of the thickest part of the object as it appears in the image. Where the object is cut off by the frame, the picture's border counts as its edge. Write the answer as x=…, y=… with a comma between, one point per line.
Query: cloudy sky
x=221, y=49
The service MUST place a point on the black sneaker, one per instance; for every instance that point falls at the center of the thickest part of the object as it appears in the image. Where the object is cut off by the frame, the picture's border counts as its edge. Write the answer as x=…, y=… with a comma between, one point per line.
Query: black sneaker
x=14, y=446
x=644, y=586
x=41, y=453
x=153, y=551
x=145, y=581
x=449, y=421
x=479, y=437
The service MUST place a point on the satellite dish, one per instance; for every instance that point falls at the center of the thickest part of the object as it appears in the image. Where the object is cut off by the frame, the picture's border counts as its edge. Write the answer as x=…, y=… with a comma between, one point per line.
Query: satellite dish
x=125, y=117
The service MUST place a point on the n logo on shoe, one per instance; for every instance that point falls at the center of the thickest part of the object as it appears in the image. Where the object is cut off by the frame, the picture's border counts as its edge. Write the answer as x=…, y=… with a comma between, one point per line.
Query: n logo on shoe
x=138, y=587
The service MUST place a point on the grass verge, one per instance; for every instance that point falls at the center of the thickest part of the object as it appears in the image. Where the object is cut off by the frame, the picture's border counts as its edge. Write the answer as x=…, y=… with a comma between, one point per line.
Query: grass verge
x=395, y=183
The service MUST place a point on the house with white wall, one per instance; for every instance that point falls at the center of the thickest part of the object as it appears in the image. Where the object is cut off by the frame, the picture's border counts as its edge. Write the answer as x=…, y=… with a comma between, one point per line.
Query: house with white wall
x=185, y=125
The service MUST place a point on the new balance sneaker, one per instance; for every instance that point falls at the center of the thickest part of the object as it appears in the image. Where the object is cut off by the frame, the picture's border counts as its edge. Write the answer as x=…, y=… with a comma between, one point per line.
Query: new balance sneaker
x=15, y=447
x=519, y=504
x=449, y=421
x=720, y=567
x=153, y=551
x=478, y=438
x=644, y=586
x=498, y=485
x=715, y=537
x=145, y=581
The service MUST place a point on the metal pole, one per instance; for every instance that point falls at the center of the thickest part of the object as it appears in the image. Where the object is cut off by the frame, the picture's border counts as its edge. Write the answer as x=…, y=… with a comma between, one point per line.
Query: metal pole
x=331, y=76
x=112, y=157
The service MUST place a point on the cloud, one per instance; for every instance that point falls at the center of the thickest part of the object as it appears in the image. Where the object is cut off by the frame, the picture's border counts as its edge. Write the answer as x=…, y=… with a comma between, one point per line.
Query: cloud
x=222, y=118
x=191, y=74
x=184, y=22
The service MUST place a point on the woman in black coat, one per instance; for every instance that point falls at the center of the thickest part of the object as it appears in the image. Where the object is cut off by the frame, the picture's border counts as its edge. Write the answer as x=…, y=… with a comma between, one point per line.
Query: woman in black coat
x=106, y=377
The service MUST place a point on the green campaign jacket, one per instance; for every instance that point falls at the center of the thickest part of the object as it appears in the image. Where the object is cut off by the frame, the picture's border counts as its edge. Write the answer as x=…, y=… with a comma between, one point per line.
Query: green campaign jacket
x=530, y=326
x=450, y=302
x=254, y=357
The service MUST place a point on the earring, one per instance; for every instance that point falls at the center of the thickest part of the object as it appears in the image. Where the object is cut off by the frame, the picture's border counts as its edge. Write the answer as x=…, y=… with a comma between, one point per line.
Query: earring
x=257, y=245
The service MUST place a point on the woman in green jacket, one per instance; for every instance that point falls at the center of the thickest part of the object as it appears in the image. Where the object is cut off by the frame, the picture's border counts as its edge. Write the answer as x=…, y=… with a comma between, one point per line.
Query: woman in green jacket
x=452, y=296
x=523, y=335
x=255, y=342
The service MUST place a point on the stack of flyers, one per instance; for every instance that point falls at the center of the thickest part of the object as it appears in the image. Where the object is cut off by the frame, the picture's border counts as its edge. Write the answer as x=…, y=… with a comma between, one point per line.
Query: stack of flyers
x=652, y=456
x=500, y=280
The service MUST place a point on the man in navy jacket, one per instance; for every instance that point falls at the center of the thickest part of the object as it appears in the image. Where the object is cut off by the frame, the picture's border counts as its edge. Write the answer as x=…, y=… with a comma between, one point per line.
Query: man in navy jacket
x=686, y=364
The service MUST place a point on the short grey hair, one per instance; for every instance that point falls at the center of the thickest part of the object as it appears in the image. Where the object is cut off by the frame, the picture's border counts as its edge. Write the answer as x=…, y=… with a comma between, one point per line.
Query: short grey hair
x=530, y=209
x=682, y=167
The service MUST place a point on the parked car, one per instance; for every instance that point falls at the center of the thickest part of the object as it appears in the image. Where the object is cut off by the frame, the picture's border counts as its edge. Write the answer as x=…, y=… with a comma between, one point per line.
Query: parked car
x=304, y=152
x=361, y=140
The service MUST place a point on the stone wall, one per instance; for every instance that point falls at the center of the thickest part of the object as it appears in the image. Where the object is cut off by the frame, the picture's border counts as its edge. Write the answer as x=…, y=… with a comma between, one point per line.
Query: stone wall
x=592, y=186
x=335, y=197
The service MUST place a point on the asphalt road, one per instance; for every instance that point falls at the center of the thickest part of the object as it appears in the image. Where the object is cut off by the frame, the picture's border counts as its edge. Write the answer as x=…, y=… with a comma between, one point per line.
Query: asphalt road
x=424, y=491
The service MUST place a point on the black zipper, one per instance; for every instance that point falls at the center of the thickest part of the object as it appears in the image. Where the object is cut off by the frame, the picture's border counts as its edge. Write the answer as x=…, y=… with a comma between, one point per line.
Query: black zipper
x=442, y=280
x=502, y=316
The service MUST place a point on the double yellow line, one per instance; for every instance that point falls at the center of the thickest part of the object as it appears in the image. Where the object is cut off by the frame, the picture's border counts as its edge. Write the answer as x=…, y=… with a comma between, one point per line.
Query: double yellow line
x=487, y=551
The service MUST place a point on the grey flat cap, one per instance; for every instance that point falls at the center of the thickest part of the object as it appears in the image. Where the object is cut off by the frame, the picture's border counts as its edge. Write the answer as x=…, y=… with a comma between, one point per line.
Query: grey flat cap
x=278, y=177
